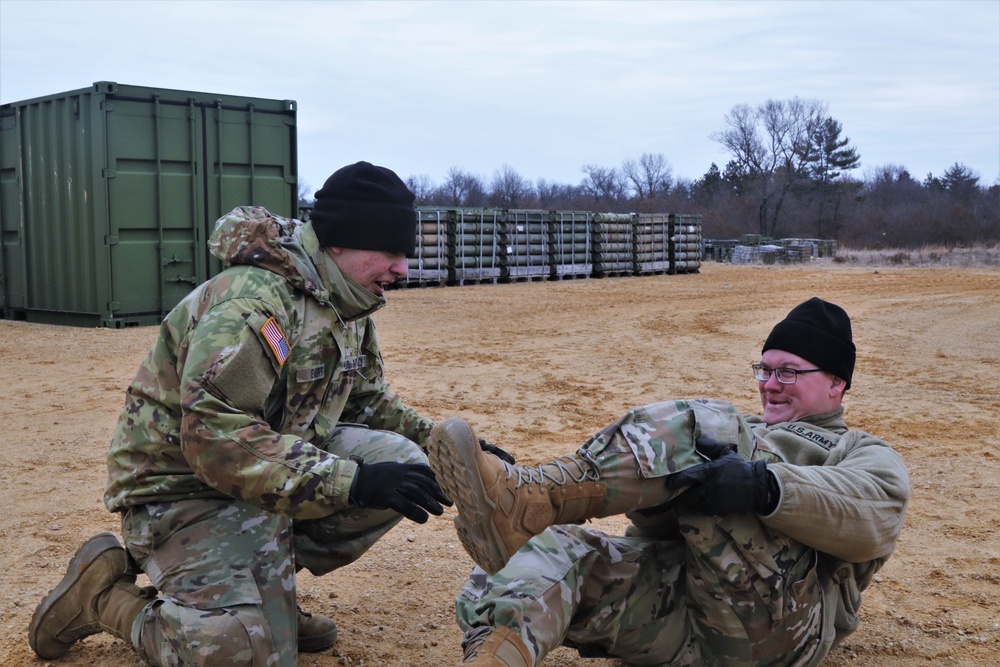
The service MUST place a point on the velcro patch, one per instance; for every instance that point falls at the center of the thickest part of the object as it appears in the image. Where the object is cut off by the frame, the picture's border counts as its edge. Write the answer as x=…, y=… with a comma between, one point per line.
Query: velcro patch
x=354, y=360
x=275, y=338
x=818, y=438
x=310, y=374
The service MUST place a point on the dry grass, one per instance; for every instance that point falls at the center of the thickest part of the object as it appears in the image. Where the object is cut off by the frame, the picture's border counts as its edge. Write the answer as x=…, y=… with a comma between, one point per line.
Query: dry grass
x=978, y=257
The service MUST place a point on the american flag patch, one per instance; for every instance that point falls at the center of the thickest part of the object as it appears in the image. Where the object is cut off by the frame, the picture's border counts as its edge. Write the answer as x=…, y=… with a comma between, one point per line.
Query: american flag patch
x=275, y=337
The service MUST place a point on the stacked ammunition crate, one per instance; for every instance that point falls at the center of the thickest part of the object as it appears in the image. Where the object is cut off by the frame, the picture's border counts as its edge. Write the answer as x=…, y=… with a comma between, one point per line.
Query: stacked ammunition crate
x=720, y=250
x=799, y=250
x=685, y=243
x=429, y=265
x=527, y=250
x=477, y=240
x=652, y=243
x=569, y=244
x=611, y=237
x=758, y=254
x=472, y=245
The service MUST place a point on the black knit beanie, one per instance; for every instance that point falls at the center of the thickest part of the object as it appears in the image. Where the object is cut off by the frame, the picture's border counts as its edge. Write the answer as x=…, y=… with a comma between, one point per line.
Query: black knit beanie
x=365, y=207
x=819, y=332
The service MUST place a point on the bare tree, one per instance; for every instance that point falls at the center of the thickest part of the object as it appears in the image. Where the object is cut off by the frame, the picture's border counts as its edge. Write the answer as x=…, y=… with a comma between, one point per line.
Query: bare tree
x=546, y=193
x=508, y=189
x=305, y=198
x=422, y=187
x=650, y=177
x=555, y=196
x=461, y=188
x=606, y=185
x=769, y=144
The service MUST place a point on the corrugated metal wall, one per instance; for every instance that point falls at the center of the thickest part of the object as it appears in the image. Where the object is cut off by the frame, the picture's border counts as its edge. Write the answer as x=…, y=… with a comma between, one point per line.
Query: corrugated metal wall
x=108, y=195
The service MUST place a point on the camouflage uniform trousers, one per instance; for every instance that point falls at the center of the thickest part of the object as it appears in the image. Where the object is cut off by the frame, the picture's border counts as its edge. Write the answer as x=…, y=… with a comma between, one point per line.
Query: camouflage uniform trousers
x=682, y=589
x=225, y=570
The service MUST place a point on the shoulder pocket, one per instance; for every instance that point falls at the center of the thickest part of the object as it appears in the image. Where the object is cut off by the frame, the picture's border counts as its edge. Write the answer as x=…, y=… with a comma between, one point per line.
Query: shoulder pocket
x=246, y=374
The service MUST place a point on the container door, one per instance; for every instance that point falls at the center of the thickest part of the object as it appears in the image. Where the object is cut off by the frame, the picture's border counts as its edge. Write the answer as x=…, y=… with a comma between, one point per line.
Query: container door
x=47, y=199
x=250, y=158
x=11, y=245
x=155, y=212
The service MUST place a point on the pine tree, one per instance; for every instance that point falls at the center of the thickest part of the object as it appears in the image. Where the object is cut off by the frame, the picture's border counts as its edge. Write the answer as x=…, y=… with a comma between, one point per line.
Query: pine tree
x=826, y=157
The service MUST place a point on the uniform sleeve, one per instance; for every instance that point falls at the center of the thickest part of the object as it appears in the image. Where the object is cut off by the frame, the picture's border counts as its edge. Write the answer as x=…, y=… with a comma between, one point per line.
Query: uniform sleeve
x=230, y=370
x=374, y=404
x=852, y=508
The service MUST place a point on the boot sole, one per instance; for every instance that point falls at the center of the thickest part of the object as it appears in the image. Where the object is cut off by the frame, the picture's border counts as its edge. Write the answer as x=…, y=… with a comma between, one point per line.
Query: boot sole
x=82, y=559
x=317, y=643
x=452, y=449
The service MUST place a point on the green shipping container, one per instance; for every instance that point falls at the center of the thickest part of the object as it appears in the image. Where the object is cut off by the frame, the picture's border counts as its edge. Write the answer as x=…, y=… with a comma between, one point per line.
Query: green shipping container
x=108, y=195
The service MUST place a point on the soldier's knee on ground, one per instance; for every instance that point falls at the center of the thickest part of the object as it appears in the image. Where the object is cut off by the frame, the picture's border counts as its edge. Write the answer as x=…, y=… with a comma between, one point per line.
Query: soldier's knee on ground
x=176, y=634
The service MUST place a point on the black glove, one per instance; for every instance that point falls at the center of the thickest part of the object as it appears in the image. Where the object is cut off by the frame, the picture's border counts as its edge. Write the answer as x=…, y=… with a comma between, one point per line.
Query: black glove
x=496, y=451
x=727, y=484
x=408, y=488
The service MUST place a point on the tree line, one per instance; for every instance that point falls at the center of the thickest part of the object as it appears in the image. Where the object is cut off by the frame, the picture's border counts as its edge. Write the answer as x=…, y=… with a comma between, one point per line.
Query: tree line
x=791, y=175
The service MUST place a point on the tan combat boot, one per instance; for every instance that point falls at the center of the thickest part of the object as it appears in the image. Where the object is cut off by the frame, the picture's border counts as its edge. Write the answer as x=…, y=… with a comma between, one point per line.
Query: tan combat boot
x=496, y=647
x=96, y=594
x=315, y=631
x=501, y=506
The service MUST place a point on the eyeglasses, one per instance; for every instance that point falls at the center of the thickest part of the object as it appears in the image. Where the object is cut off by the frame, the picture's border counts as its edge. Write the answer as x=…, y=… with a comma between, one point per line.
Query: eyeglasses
x=784, y=375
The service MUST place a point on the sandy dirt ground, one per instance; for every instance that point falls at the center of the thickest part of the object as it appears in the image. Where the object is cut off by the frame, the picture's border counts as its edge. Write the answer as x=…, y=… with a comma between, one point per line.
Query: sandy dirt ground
x=538, y=367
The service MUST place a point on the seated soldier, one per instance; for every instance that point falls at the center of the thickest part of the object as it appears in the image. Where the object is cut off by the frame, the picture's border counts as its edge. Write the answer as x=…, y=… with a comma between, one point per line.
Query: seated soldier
x=751, y=537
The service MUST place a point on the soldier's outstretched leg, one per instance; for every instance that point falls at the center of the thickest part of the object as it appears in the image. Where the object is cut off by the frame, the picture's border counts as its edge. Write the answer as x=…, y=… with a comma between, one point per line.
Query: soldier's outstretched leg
x=501, y=506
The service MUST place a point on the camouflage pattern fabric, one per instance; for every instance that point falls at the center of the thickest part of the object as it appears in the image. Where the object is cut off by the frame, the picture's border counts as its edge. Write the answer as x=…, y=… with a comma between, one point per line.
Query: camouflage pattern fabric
x=232, y=458
x=331, y=542
x=605, y=595
x=225, y=570
x=656, y=440
x=227, y=406
x=752, y=593
x=683, y=588
x=226, y=582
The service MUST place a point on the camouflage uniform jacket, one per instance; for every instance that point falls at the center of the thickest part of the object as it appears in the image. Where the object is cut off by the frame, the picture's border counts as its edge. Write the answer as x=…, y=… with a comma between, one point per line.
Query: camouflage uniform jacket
x=250, y=372
x=843, y=493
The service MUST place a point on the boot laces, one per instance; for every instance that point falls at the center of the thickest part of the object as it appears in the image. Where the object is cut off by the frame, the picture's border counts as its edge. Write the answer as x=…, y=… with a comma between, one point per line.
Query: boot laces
x=474, y=640
x=581, y=468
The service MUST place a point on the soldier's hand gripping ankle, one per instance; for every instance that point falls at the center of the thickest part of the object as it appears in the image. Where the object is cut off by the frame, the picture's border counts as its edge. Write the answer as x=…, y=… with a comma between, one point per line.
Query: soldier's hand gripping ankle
x=408, y=488
x=726, y=484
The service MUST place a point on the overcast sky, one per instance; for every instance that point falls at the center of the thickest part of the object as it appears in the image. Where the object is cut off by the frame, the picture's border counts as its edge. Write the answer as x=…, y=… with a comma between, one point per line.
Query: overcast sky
x=544, y=87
